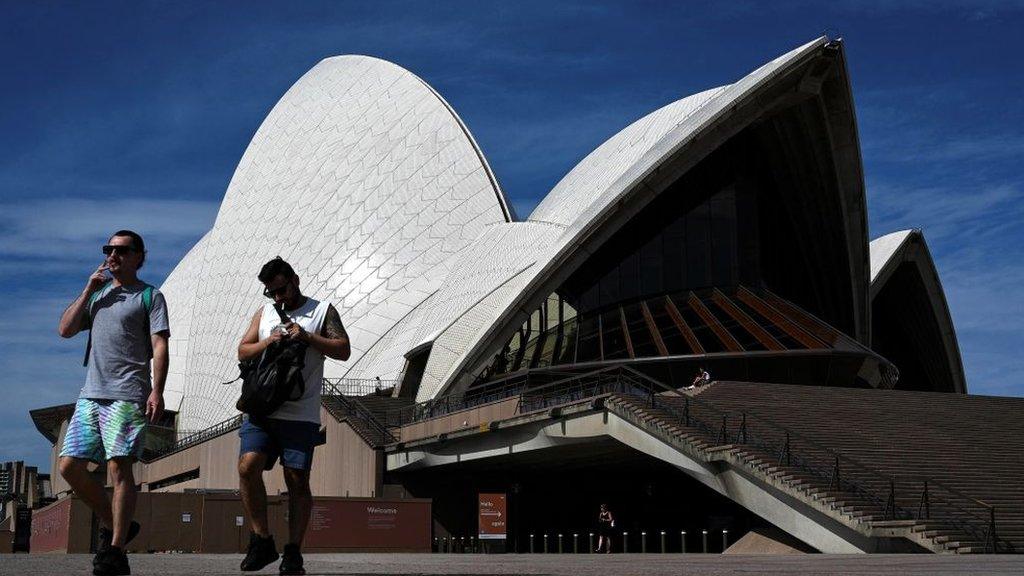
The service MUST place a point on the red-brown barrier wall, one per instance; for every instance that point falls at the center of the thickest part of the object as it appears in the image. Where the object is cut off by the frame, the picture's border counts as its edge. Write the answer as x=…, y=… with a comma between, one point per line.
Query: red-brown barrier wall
x=215, y=523
x=350, y=524
x=64, y=526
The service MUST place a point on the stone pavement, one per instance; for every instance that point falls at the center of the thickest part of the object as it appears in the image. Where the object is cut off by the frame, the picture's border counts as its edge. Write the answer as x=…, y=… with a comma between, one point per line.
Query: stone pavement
x=565, y=564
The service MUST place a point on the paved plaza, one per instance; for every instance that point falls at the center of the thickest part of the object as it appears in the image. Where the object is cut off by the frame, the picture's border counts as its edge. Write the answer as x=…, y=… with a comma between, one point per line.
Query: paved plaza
x=566, y=564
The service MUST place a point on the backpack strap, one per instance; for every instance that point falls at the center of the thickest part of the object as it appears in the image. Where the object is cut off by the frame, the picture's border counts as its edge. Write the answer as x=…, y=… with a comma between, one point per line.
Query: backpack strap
x=147, y=304
x=88, y=310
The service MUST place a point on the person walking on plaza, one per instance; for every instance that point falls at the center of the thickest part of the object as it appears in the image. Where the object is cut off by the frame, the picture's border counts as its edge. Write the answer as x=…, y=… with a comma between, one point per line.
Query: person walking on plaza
x=292, y=431
x=127, y=323
x=605, y=523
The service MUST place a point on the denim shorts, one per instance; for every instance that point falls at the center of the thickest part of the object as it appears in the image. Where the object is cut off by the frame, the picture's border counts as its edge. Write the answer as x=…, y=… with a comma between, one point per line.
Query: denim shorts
x=289, y=440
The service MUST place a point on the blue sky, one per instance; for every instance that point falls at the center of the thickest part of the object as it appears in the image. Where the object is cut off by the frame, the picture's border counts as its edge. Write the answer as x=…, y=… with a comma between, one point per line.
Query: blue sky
x=134, y=115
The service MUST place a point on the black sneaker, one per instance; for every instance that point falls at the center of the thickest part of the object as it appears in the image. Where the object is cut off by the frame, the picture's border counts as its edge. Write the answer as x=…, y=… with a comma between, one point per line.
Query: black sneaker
x=262, y=551
x=106, y=535
x=111, y=561
x=291, y=561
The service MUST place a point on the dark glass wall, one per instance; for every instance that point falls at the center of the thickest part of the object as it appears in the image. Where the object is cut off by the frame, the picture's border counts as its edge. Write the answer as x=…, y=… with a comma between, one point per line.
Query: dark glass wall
x=699, y=233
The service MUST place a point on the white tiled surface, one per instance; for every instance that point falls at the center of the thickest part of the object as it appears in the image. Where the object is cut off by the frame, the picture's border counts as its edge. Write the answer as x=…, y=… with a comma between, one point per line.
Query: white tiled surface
x=590, y=181
x=179, y=292
x=483, y=277
x=592, y=191
x=363, y=179
x=884, y=248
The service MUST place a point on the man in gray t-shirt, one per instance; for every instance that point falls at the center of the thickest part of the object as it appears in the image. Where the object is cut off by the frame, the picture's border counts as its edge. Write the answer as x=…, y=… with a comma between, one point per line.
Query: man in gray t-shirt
x=127, y=323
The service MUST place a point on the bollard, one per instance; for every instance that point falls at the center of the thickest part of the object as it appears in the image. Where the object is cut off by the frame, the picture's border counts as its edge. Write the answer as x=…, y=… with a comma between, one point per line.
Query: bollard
x=682, y=541
x=437, y=545
x=643, y=542
x=704, y=534
x=531, y=543
x=544, y=550
x=462, y=544
x=725, y=539
x=625, y=542
x=559, y=543
x=662, y=541
x=591, y=542
x=575, y=543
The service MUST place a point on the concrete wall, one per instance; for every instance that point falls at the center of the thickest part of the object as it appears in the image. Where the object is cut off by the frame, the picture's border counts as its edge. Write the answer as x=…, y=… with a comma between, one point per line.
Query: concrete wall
x=472, y=418
x=345, y=466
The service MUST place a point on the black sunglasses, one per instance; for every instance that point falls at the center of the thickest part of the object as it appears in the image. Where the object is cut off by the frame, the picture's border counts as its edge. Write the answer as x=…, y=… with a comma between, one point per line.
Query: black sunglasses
x=109, y=249
x=273, y=292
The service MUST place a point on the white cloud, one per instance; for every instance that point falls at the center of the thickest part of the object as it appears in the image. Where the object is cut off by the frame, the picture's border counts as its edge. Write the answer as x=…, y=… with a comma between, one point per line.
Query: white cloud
x=64, y=228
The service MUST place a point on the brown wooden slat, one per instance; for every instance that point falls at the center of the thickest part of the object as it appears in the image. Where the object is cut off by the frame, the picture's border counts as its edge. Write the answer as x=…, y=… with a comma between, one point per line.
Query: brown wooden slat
x=737, y=314
x=625, y=332
x=779, y=319
x=691, y=338
x=821, y=330
x=727, y=339
x=653, y=328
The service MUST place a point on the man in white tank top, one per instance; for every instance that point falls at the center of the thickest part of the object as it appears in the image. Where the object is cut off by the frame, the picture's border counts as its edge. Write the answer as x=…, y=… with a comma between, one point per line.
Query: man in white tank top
x=291, y=432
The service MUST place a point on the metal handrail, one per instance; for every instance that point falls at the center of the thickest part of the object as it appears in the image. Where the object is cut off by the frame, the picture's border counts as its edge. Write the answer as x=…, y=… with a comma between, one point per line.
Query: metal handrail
x=510, y=387
x=384, y=436
x=360, y=386
x=842, y=468
x=198, y=437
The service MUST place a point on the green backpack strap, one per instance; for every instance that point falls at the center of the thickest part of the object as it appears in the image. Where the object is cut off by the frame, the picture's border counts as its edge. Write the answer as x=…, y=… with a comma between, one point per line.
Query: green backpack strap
x=147, y=303
x=88, y=309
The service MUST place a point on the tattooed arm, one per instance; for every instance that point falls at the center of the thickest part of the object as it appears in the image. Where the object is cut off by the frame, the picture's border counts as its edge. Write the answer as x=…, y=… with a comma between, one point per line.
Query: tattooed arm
x=332, y=339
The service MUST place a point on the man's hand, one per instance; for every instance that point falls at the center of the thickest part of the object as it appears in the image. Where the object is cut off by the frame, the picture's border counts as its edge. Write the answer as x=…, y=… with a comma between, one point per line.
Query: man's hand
x=97, y=279
x=154, y=407
x=296, y=332
x=276, y=336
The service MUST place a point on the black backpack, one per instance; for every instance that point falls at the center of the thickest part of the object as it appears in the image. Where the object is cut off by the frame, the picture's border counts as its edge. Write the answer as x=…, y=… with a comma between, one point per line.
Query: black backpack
x=272, y=379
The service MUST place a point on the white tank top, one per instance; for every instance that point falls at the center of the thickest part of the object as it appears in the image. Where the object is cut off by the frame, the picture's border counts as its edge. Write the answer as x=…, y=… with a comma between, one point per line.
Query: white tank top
x=311, y=317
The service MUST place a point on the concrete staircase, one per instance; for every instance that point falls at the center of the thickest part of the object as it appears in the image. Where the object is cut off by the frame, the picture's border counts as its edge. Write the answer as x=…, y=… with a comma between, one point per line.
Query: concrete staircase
x=861, y=457
x=365, y=414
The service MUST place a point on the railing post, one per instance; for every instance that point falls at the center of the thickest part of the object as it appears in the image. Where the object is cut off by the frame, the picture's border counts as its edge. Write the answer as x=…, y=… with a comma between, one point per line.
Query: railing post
x=741, y=437
x=890, y=504
x=991, y=537
x=784, y=452
x=686, y=411
x=834, y=481
x=925, y=504
x=722, y=434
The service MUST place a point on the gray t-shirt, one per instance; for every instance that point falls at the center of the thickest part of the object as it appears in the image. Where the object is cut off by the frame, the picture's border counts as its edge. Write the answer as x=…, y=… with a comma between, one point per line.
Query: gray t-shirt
x=119, y=359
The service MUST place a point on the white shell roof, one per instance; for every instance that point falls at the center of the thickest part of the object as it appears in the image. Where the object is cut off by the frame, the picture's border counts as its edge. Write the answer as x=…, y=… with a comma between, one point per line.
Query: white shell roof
x=368, y=183
x=590, y=193
x=883, y=249
x=365, y=180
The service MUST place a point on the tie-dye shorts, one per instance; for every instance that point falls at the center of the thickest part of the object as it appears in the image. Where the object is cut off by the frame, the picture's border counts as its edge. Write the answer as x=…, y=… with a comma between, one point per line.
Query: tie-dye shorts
x=105, y=429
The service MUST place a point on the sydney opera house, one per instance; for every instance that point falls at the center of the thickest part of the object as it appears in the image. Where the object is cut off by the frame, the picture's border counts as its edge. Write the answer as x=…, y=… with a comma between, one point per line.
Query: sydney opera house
x=547, y=357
